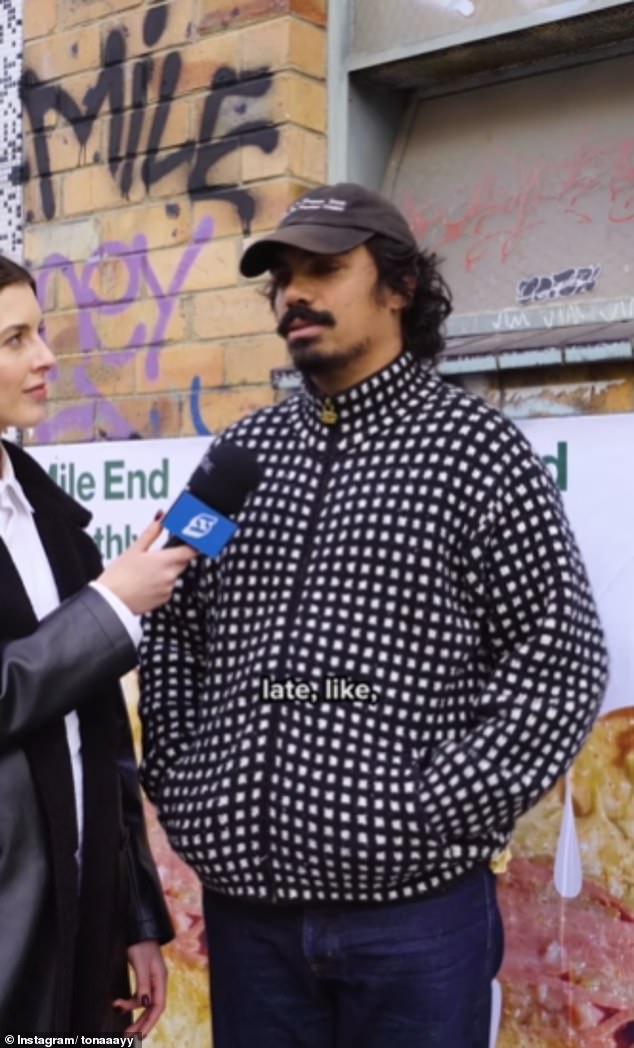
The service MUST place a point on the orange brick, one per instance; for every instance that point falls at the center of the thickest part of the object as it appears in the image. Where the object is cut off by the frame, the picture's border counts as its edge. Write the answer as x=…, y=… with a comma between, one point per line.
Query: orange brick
x=113, y=374
x=272, y=199
x=61, y=54
x=307, y=154
x=286, y=97
x=62, y=335
x=299, y=152
x=161, y=224
x=258, y=164
x=80, y=84
x=32, y=205
x=177, y=128
x=113, y=279
x=172, y=185
x=149, y=416
x=225, y=216
x=251, y=360
x=92, y=188
x=64, y=155
x=76, y=11
x=215, y=265
x=178, y=28
x=235, y=311
x=300, y=100
x=201, y=61
x=178, y=365
x=116, y=377
x=234, y=110
x=266, y=44
x=49, y=120
x=215, y=15
x=39, y=19
x=307, y=48
x=115, y=330
x=313, y=10
x=65, y=152
x=220, y=408
x=225, y=172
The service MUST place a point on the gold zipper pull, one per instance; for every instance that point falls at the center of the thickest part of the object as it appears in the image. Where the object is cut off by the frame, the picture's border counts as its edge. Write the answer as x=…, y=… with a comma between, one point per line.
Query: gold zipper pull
x=328, y=414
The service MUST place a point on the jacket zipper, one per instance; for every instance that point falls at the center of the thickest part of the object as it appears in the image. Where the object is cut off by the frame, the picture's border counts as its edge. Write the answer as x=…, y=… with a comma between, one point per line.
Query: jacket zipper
x=329, y=416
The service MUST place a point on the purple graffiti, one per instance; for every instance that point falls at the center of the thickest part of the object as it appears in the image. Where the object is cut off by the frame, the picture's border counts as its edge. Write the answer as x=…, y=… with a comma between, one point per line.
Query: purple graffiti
x=148, y=337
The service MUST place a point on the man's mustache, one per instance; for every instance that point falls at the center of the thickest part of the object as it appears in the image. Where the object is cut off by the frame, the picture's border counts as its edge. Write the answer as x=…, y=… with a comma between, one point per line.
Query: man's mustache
x=304, y=313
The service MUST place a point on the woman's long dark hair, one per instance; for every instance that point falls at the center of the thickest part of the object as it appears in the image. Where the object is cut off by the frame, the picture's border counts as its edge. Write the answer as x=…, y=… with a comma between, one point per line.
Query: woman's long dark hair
x=415, y=275
x=11, y=273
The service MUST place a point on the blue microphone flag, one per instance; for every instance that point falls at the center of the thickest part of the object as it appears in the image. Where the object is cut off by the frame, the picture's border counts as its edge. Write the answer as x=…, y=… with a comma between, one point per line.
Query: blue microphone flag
x=197, y=525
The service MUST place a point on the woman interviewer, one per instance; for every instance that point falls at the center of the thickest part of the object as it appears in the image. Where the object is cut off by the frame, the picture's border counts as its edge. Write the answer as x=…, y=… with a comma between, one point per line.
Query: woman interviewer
x=79, y=893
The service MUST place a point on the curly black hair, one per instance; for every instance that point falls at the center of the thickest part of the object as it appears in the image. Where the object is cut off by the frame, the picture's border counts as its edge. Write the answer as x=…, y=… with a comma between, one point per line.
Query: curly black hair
x=414, y=274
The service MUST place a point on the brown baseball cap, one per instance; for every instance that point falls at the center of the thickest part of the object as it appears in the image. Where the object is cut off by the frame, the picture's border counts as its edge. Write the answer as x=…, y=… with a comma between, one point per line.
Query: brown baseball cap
x=330, y=220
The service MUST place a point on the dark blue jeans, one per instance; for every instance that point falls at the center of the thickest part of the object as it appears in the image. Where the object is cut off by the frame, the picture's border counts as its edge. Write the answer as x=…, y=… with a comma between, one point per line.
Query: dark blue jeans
x=400, y=975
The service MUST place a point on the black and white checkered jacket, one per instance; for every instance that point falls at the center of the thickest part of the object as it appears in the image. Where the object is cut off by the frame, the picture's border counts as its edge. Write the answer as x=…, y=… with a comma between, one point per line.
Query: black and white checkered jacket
x=394, y=657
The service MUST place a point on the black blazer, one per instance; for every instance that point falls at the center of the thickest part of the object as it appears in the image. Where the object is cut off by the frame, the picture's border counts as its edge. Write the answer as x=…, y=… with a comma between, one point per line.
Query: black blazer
x=62, y=947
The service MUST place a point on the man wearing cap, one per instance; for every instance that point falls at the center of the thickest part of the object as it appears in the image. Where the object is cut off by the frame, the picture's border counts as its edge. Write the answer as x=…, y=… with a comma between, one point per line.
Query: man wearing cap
x=396, y=655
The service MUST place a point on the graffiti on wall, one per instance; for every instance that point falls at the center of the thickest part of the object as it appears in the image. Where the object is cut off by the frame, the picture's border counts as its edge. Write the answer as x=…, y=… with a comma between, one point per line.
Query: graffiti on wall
x=145, y=338
x=11, y=138
x=573, y=281
x=135, y=134
x=495, y=214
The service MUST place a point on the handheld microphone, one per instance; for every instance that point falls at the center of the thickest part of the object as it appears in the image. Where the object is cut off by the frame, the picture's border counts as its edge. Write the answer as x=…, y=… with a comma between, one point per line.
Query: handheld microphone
x=216, y=491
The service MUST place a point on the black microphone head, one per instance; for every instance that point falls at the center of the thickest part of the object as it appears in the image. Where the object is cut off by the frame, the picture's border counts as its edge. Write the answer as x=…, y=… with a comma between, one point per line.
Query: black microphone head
x=224, y=477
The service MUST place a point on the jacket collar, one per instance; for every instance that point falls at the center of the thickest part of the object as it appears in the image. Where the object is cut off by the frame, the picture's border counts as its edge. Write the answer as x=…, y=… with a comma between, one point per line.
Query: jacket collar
x=60, y=522
x=44, y=495
x=365, y=409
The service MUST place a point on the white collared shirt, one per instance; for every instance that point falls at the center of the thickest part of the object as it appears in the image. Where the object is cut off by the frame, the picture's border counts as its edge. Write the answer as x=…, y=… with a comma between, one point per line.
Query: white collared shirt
x=21, y=537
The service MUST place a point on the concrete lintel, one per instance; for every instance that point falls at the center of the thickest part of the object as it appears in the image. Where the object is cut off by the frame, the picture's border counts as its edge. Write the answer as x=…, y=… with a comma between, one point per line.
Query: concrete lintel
x=599, y=351
x=287, y=379
x=530, y=358
x=468, y=365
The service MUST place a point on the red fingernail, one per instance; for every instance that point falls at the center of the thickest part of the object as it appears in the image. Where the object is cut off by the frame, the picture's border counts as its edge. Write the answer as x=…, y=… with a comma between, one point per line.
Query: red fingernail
x=145, y=1001
x=159, y=513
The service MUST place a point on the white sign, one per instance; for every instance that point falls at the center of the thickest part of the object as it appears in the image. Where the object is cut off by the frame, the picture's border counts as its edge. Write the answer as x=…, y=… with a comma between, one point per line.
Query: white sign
x=123, y=483
x=591, y=459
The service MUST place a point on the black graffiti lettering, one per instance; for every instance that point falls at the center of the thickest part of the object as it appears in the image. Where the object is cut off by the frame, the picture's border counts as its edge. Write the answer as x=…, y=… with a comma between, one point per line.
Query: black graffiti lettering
x=153, y=168
x=207, y=152
x=200, y=156
x=154, y=24
x=259, y=133
x=40, y=99
x=572, y=281
x=141, y=77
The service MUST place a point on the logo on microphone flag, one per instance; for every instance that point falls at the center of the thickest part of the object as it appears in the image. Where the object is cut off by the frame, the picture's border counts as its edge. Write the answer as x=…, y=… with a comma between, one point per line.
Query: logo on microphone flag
x=198, y=525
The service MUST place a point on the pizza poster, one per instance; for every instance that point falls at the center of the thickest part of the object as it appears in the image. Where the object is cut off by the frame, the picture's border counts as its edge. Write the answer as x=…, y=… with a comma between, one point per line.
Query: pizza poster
x=567, y=894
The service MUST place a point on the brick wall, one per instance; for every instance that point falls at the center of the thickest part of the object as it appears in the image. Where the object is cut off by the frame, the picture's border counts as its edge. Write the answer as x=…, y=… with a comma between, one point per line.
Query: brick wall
x=159, y=136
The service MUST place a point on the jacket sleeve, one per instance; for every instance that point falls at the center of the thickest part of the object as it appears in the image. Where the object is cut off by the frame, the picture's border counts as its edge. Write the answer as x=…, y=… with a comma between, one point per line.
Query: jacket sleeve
x=45, y=674
x=545, y=664
x=172, y=673
x=147, y=914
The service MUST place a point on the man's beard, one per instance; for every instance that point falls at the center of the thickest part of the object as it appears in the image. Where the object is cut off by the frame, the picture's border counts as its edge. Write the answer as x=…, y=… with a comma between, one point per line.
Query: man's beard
x=307, y=355
x=310, y=359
